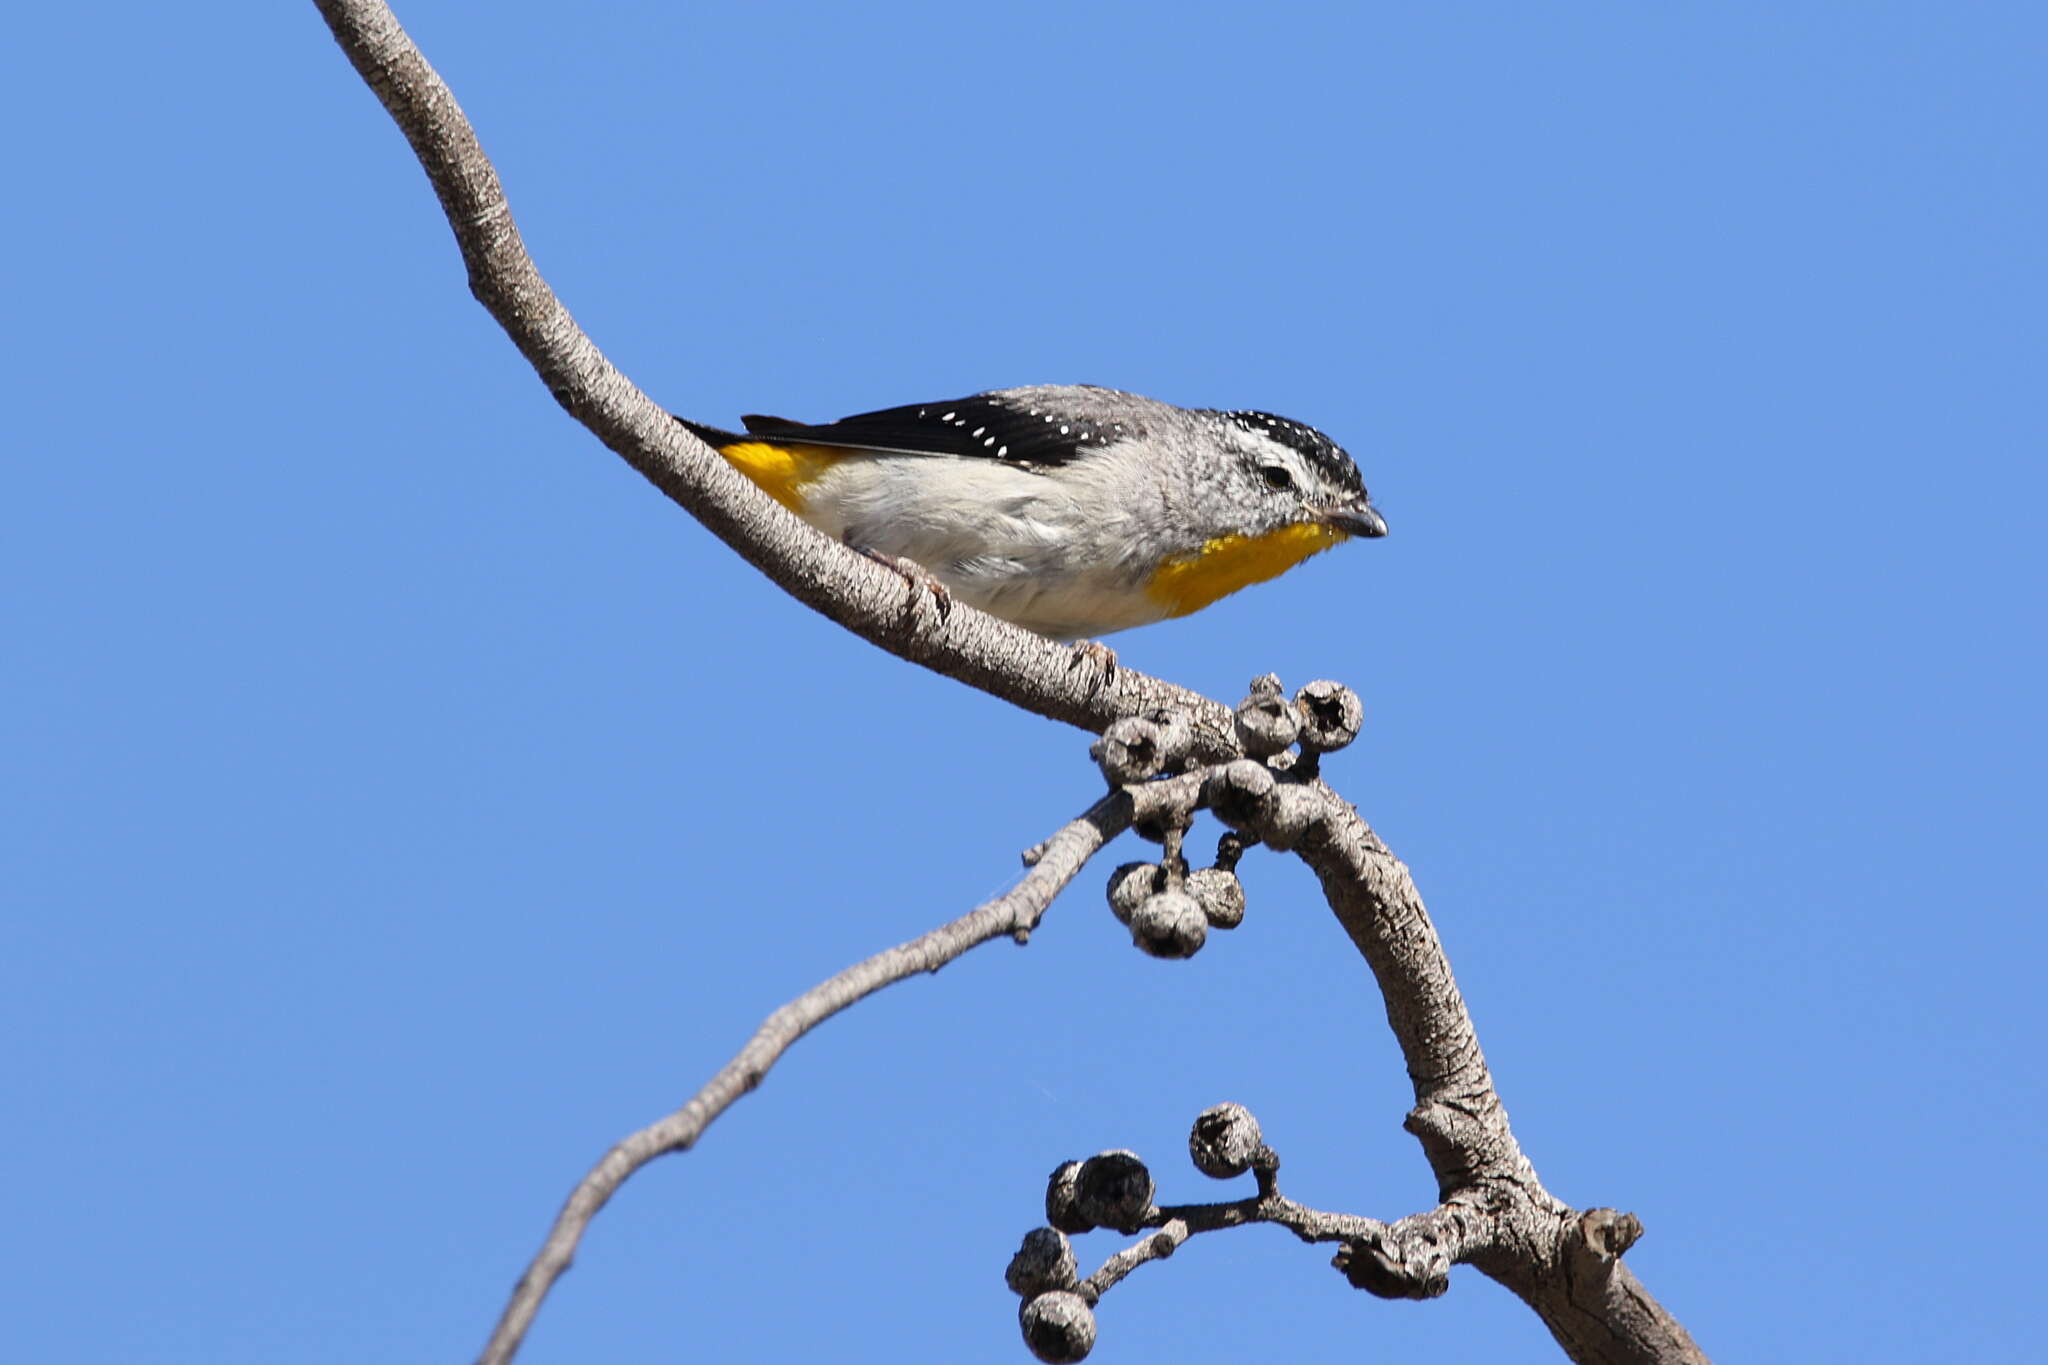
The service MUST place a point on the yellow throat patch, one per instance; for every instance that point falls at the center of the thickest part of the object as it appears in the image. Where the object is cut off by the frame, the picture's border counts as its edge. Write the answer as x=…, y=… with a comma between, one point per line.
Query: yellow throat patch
x=1222, y=566
x=781, y=471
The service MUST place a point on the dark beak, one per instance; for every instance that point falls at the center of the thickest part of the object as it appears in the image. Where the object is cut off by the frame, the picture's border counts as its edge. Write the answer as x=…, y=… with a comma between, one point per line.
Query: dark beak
x=1360, y=520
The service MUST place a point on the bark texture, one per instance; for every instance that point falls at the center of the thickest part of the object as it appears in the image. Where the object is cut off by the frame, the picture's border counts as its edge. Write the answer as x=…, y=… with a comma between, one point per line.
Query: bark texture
x=1493, y=1212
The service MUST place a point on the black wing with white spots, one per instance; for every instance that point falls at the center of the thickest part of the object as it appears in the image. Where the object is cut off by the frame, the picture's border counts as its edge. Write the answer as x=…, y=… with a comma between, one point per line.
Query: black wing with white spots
x=986, y=426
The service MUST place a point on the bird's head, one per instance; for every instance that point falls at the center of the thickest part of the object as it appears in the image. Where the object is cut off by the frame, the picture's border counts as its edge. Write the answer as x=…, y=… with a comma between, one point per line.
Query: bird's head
x=1280, y=473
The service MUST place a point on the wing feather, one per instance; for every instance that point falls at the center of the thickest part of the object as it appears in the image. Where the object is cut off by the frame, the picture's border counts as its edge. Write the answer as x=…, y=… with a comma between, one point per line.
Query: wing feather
x=984, y=426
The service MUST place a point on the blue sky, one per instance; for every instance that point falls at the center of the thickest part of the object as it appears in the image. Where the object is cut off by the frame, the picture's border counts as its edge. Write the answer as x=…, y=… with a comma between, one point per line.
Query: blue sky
x=402, y=801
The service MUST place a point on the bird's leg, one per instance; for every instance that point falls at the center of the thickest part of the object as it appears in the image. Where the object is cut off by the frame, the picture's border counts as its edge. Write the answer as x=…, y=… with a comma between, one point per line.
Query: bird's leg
x=912, y=573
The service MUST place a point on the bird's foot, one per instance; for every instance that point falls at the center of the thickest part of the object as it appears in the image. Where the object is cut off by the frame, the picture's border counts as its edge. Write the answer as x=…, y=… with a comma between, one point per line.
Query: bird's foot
x=914, y=574
x=1096, y=655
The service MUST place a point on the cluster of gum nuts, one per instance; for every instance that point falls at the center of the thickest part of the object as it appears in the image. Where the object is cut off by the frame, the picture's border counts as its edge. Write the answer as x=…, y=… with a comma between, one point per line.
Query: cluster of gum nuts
x=1113, y=1190
x=1168, y=907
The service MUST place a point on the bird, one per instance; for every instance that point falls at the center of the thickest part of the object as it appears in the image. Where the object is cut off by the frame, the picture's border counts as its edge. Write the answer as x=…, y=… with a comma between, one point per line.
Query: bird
x=1071, y=510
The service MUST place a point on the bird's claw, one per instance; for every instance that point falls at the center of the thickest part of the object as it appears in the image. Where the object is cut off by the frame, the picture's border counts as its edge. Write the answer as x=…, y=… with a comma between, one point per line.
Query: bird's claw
x=1097, y=654
x=916, y=576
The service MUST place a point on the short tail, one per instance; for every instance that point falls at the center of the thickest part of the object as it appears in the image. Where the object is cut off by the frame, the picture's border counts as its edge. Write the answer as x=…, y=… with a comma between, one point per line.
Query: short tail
x=780, y=471
x=715, y=437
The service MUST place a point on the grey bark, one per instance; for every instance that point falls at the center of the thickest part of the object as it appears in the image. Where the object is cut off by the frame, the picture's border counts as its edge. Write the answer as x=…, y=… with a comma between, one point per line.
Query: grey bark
x=1493, y=1214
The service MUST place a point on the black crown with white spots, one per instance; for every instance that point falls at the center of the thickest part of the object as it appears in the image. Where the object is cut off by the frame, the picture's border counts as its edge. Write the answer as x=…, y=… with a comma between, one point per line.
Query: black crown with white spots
x=1323, y=454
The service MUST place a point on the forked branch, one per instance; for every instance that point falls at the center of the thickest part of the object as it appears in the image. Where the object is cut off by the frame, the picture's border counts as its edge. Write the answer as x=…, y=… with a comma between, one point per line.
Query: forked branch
x=1565, y=1264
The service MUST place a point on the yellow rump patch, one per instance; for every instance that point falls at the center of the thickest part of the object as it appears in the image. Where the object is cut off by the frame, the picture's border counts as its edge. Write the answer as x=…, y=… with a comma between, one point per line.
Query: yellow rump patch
x=1227, y=563
x=781, y=471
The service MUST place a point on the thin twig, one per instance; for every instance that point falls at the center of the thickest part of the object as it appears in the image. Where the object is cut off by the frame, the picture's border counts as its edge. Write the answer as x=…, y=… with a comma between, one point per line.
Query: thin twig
x=1156, y=1246
x=1015, y=912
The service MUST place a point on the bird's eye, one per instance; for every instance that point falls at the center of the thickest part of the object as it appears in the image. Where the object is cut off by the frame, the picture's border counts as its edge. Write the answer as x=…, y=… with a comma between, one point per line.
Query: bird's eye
x=1277, y=476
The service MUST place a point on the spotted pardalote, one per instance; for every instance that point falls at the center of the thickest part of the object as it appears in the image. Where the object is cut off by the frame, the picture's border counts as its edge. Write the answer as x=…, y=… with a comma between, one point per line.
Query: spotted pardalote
x=1070, y=510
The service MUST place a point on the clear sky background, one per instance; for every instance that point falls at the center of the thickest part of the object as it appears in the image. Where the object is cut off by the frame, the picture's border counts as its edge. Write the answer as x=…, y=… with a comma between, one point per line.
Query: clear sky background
x=402, y=801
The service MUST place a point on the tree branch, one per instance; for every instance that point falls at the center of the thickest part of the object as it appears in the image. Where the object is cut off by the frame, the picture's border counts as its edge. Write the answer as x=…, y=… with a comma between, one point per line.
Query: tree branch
x=1495, y=1215
x=873, y=602
x=1015, y=913
x=1495, y=1212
